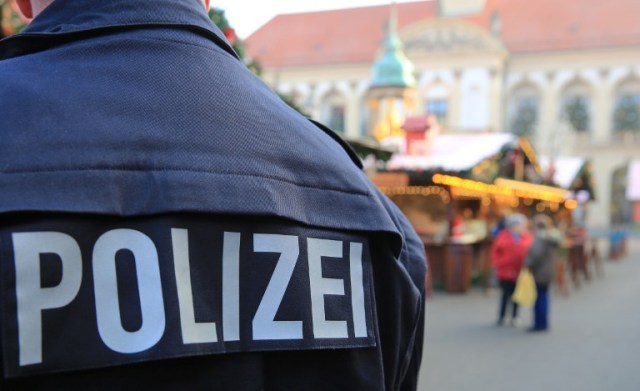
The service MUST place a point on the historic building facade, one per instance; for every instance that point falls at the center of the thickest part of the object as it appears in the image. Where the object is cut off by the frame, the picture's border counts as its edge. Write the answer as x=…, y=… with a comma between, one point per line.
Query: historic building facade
x=566, y=74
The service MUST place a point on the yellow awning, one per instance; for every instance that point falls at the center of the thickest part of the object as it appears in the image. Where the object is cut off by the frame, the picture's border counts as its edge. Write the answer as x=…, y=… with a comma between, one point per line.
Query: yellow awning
x=505, y=187
x=533, y=191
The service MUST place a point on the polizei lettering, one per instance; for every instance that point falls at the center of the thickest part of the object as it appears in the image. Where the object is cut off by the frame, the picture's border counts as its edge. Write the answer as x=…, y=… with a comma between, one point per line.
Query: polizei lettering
x=122, y=295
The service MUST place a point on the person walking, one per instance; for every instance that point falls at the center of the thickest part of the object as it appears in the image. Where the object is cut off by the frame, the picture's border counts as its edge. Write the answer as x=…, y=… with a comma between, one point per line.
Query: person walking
x=507, y=255
x=540, y=260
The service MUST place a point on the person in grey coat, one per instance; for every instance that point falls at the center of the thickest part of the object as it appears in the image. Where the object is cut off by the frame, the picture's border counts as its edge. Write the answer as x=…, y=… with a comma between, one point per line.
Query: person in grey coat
x=539, y=260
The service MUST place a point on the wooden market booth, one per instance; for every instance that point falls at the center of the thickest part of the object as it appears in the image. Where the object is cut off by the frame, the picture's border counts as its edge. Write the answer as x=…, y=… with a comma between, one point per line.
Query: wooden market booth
x=455, y=191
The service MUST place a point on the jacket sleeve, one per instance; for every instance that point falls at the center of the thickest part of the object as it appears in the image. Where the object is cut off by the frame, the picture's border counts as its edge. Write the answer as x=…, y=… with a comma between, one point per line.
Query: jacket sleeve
x=414, y=258
x=402, y=328
x=533, y=255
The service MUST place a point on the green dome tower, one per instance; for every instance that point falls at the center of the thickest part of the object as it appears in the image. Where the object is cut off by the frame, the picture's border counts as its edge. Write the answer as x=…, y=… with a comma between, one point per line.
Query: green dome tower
x=391, y=95
x=393, y=68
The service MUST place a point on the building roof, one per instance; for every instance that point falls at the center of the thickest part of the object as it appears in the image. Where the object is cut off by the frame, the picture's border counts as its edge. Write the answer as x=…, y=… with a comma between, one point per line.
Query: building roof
x=355, y=35
x=329, y=37
x=418, y=123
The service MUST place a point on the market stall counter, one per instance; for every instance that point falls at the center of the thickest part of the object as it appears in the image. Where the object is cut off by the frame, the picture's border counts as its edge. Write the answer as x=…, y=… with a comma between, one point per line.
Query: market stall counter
x=450, y=264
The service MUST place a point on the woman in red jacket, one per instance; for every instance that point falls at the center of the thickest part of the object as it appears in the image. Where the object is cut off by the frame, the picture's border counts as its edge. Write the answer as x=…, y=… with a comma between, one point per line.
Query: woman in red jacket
x=507, y=255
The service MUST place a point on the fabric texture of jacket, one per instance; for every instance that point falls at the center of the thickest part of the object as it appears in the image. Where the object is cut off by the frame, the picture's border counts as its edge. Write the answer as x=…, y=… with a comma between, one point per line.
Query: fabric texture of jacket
x=508, y=254
x=133, y=135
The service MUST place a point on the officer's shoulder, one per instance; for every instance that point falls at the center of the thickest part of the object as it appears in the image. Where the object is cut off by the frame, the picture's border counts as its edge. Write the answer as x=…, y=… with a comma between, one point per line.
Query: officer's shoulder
x=16, y=89
x=341, y=142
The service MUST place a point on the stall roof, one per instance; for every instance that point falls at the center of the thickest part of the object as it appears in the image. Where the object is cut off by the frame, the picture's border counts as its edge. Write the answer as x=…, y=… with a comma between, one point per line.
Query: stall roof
x=453, y=152
x=504, y=187
x=633, y=181
x=566, y=169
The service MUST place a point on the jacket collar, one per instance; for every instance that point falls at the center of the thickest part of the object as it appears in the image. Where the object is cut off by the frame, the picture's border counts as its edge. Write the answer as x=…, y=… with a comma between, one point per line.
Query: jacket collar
x=65, y=19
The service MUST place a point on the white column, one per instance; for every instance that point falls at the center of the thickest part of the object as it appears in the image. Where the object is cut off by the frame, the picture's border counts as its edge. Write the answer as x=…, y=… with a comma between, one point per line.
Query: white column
x=352, y=120
x=599, y=211
x=455, y=101
x=495, y=100
x=548, y=115
x=318, y=92
x=602, y=109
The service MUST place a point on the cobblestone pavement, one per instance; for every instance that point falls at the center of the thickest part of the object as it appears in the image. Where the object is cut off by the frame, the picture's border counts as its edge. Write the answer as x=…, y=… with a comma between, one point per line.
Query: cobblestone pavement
x=593, y=344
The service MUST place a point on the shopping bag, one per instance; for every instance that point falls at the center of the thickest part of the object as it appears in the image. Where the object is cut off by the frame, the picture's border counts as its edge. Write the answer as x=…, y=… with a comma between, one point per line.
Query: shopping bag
x=525, y=293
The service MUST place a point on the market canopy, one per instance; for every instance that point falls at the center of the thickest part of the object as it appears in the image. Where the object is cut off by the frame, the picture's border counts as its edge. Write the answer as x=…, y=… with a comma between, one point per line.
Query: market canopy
x=633, y=181
x=454, y=152
x=503, y=187
x=565, y=169
x=571, y=173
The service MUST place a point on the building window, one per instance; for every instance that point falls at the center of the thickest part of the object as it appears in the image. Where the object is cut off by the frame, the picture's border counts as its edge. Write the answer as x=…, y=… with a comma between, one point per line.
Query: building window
x=576, y=112
x=436, y=102
x=576, y=105
x=523, y=110
x=626, y=114
x=365, y=117
x=438, y=108
x=333, y=112
x=525, y=116
x=336, y=118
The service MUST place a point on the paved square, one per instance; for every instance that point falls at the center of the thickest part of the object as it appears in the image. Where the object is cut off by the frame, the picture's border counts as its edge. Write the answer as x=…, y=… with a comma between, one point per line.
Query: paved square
x=593, y=344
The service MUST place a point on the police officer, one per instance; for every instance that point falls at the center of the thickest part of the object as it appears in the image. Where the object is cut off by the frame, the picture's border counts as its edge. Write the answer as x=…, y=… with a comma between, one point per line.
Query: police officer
x=167, y=222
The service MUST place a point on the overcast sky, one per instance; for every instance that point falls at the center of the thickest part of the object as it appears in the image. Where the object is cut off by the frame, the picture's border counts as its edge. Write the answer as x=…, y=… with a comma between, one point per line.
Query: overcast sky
x=247, y=16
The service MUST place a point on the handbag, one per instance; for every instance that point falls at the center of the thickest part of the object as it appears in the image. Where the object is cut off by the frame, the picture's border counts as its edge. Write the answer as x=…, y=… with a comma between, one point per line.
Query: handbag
x=525, y=293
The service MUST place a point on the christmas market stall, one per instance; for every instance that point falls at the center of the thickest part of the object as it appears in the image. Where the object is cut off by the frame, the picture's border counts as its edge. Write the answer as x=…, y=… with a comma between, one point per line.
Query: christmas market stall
x=456, y=188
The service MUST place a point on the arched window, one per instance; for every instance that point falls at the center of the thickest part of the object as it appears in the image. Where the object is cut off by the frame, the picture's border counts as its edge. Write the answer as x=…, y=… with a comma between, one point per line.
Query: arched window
x=333, y=111
x=626, y=111
x=576, y=106
x=524, y=110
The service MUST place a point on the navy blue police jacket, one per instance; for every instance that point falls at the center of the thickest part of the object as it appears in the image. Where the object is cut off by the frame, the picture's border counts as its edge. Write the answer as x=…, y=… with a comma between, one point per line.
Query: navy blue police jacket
x=167, y=222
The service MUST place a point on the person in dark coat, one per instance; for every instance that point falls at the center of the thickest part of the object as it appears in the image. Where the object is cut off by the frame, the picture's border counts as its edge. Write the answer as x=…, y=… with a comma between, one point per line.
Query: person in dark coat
x=168, y=223
x=540, y=260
